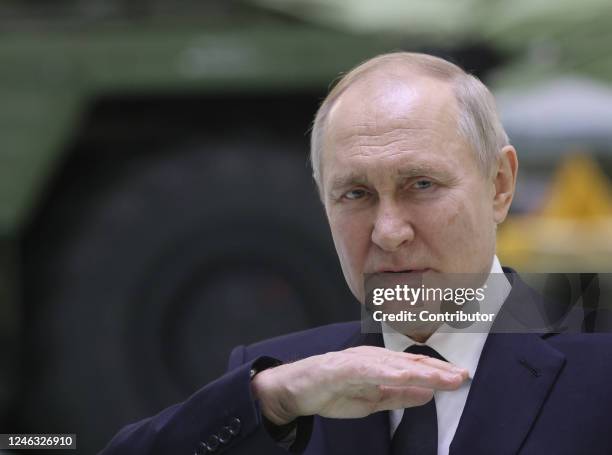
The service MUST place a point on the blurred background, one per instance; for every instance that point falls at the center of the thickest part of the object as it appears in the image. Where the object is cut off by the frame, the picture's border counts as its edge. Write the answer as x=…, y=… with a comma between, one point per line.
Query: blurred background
x=156, y=204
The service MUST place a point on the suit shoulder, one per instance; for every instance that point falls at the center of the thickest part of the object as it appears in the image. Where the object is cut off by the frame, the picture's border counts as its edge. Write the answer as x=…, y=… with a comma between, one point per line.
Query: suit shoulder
x=585, y=342
x=306, y=343
x=587, y=351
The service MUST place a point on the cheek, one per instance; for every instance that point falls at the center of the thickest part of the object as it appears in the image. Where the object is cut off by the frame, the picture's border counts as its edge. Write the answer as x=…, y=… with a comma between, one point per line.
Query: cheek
x=455, y=224
x=352, y=238
x=469, y=231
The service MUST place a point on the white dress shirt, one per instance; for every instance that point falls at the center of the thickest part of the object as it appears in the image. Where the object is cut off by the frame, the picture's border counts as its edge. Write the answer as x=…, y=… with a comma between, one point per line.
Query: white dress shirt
x=461, y=349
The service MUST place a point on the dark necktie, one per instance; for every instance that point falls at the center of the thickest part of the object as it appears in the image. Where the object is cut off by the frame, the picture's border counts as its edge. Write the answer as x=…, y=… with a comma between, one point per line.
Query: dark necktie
x=417, y=433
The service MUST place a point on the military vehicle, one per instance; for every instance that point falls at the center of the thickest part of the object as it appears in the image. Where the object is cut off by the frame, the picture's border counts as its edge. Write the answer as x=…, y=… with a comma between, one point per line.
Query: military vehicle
x=156, y=202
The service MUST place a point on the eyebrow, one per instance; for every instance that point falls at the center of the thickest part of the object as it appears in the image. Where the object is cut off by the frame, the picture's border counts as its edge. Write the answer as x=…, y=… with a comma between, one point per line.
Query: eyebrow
x=357, y=178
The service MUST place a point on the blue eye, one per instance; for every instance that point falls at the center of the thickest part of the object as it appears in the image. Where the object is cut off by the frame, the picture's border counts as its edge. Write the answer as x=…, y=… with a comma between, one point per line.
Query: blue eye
x=423, y=184
x=355, y=194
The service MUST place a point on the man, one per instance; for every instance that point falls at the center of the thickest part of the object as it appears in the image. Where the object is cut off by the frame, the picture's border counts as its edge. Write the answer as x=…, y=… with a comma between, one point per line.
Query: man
x=415, y=172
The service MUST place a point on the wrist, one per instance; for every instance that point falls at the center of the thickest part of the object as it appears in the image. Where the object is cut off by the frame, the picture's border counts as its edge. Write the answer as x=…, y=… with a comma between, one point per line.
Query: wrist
x=267, y=388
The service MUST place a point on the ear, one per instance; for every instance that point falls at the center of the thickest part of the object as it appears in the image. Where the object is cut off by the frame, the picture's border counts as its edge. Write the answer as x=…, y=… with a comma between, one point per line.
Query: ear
x=505, y=182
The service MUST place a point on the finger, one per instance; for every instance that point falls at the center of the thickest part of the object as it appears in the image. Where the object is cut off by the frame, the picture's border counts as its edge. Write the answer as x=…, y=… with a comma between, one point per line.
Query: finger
x=415, y=374
x=403, y=397
x=388, y=356
x=445, y=366
x=431, y=361
x=402, y=361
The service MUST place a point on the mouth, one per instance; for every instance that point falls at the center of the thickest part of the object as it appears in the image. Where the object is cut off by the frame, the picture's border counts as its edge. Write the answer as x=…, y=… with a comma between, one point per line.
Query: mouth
x=404, y=270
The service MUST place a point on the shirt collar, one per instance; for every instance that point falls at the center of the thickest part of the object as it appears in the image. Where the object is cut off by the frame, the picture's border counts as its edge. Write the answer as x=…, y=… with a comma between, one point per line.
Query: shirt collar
x=459, y=348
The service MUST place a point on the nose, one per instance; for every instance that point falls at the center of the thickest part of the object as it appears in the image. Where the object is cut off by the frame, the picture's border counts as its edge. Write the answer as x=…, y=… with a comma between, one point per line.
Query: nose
x=392, y=227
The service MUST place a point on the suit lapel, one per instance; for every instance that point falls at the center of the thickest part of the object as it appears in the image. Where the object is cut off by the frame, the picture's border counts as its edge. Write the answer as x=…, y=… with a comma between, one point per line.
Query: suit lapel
x=514, y=376
x=370, y=434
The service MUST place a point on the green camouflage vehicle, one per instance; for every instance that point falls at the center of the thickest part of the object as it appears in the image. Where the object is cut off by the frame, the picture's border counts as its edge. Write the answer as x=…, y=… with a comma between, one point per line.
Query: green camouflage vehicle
x=154, y=186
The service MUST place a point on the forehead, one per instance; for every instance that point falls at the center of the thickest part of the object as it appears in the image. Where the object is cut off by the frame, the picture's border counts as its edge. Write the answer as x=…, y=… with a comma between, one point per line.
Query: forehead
x=387, y=96
x=387, y=120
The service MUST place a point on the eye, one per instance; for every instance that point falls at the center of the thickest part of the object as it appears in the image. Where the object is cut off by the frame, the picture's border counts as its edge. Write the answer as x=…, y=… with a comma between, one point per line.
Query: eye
x=422, y=184
x=355, y=194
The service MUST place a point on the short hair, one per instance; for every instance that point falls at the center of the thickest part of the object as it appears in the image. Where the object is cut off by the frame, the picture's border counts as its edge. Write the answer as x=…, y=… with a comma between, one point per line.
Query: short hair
x=478, y=121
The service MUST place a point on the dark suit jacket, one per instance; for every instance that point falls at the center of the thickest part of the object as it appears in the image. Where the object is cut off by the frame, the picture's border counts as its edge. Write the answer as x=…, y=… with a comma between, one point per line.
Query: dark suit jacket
x=531, y=394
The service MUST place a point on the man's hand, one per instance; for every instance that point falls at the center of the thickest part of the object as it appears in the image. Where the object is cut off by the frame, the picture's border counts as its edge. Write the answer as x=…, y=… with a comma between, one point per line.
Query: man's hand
x=352, y=383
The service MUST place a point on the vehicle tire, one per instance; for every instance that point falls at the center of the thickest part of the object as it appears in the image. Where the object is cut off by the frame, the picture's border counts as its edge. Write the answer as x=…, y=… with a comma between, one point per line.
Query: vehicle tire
x=143, y=274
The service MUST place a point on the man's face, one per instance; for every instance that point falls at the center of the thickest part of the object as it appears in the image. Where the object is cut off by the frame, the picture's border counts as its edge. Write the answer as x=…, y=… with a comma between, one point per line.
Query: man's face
x=402, y=189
